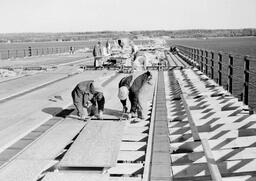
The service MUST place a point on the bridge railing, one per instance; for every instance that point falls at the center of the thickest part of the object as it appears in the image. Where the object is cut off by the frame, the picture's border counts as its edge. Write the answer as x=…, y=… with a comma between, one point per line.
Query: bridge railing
x=39, y=51
x=236, y=73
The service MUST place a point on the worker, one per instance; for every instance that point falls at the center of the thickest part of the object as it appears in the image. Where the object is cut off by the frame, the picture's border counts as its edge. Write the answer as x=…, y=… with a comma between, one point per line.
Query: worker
x=123, y=91
x=108, y=47
x=98, y=53
x=138, y=58
x=134, y=92
x=88, y=94
x=120, y=43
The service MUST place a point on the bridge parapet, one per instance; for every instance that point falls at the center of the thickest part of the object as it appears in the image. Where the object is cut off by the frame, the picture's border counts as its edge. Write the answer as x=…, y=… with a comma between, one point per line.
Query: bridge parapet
x=237, y=73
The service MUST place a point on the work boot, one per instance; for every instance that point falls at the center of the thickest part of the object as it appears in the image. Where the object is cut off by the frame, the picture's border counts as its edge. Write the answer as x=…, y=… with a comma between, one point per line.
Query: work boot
x=133, y=115
x=100, y=116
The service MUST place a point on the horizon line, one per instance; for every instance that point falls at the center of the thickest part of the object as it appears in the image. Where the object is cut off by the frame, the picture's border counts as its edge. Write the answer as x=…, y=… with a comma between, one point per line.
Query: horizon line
x=126, y=31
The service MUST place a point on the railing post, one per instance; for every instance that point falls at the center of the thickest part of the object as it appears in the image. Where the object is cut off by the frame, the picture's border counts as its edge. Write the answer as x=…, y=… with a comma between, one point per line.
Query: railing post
x=8, y=54
x=220, y=69
x=198, y=56
x=212, y=65
x=202, y=61
x=206, y=62
x=24, y=53
x=29, y=51
x=246, y=80
x=230, y=74
x=16, y=53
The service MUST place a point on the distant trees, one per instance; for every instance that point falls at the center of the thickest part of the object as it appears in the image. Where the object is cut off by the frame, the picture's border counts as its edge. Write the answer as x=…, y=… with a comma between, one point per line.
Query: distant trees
x=80, y=36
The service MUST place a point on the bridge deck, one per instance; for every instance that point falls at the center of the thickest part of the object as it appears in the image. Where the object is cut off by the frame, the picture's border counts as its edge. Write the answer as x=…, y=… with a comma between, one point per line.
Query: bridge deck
x=193, y=130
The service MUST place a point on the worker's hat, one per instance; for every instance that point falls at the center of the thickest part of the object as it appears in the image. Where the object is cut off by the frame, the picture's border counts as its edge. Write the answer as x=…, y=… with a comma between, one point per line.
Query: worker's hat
x=123, y=93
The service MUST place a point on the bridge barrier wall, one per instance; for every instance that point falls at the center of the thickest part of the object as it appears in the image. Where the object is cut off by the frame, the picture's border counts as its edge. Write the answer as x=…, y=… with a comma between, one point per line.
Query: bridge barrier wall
x=236, y=73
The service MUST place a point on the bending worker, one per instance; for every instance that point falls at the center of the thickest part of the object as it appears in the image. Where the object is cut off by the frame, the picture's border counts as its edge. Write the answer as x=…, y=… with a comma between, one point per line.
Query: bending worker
x=88, y=94
x=134, y=92
x=123, y=91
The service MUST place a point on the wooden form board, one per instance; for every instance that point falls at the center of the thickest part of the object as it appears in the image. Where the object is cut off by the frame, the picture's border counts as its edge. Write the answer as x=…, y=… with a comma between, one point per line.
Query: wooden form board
x=74, y=176
x=130, y=156
x=24, y=170
x=53, y=142
x=219, y=155
x=96, y=146
x=216, y=144
x=227, y=168
x=126, y=168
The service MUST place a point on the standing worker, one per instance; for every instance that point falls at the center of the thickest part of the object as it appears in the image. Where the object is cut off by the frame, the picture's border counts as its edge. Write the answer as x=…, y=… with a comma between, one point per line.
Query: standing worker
x=108, y=47
x=97, y=53
x=123, y=91
x=134, y=92
x=138, y=58
x=86, y=95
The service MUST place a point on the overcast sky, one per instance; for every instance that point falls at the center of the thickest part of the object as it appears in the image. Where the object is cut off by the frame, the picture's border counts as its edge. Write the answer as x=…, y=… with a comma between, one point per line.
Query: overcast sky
x=98, y=15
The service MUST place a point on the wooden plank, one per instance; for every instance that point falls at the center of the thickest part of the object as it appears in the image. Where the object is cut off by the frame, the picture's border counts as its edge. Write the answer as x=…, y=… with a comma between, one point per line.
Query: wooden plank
x=135, y=130
x=135, y=137
x=233, y=119
x=216, y=144
x=24, y=170
x=126, y=169
x=240, y=178
x=75, y=176
x=215, y=173
x=227, y=168
x=191, y=121
x=125, y=179
x=96, y=146
x=130, y=156
x=133, y=146
x=217, y=128
x=53, y=142
x=219, y=155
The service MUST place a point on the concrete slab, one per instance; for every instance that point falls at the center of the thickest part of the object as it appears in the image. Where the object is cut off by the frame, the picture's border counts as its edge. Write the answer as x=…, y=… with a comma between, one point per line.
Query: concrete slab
x=96, y=146
x=24, y=170
x=54, y=141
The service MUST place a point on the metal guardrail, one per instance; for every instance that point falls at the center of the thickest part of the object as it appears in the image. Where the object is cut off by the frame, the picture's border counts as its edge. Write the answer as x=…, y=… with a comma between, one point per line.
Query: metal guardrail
x=236, y=73
x=40, y=51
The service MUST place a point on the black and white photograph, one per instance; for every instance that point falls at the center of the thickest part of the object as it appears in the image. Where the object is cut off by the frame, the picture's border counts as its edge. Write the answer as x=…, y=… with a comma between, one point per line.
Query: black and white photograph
x=128, y=90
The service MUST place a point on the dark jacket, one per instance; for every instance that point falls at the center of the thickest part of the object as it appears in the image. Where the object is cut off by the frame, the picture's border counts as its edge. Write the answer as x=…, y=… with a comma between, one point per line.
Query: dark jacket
x=126, y=81
x=97, y=51
x=139, y=82
x=81, y=94
x=135, y=89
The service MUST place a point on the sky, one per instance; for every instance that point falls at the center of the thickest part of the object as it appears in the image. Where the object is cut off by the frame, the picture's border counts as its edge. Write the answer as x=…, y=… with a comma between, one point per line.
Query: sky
x=18, y=16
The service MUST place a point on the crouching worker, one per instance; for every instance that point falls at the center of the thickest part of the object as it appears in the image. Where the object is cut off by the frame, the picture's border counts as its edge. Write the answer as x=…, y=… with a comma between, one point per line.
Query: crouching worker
x=88, y=94
x=123, y=91
x=134, y=92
